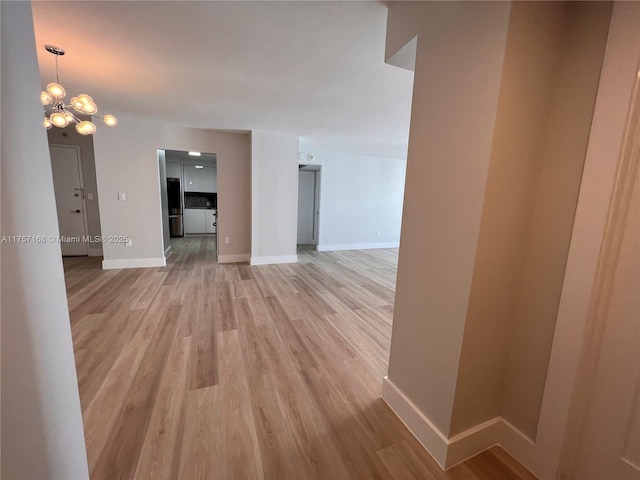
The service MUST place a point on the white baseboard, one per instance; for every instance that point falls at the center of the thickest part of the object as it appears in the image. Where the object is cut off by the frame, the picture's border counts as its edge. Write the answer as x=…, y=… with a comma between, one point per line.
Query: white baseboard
x=94, y=251
x=474, y=440
x=133, y=263
x=236, y=258
x=275, y=259
x=426, y=432
x=520, y=446
x=451, y=451
x=356, y=246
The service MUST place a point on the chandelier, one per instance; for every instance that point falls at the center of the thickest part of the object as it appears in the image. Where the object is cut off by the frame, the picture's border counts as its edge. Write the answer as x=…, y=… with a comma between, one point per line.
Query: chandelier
x=59, y=114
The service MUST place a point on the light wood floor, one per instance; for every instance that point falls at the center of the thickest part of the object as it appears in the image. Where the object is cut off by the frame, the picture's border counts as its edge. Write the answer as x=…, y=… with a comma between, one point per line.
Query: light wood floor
x=207, y=371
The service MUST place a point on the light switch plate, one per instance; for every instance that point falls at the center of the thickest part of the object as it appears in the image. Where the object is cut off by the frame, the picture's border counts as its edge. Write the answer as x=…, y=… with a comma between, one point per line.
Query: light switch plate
x=121, y=196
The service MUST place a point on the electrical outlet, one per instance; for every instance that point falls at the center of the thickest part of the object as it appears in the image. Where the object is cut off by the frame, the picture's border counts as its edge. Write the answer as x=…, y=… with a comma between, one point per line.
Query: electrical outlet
x=121, y=196
x=89, y=196
x=226, y=240
x=128, y=244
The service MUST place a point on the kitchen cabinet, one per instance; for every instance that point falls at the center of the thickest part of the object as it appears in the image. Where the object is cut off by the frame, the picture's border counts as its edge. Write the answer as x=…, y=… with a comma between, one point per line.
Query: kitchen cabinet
x=199, y=220
x=191, y=178
x=194, y=221
x=201, y=179
x=208, y=183
x=174, y=170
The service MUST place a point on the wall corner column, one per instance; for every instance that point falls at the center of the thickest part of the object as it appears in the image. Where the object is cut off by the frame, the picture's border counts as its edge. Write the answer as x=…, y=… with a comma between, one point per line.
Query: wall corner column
x=458, y=70
x=274, y=198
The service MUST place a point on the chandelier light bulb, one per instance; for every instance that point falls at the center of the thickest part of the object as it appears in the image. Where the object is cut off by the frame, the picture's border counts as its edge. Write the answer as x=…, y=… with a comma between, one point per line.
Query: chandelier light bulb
x=85, y=128
x=110, y=120
x=47, y=123
x=76, y=103
x=90, y=108
x=59, y=119
x=84, y=98
x=69, y=117
x=45, y=98
x=56, y=90
x=88, y=105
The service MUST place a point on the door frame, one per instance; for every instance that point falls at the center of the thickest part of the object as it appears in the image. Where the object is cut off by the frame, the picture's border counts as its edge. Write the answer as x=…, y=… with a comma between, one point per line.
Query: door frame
x=85, y=219
x=316, y=213
x=611, y=164
x=626, y=173
x=317, y=178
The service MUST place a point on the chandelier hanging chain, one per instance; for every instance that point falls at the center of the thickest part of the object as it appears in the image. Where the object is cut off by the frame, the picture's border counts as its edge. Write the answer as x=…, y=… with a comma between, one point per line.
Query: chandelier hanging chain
x=61, y=113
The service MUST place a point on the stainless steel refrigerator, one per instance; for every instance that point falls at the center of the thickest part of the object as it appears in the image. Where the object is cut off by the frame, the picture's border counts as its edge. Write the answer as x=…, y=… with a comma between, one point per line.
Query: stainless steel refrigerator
x=174, y=196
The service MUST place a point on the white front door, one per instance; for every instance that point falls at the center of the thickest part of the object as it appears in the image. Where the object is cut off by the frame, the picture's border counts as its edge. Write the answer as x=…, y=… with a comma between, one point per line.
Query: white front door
x=306, y=208
x=67, y=183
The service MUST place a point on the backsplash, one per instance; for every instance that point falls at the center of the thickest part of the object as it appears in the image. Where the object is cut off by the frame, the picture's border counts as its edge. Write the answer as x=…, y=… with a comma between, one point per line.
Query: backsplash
x=200, y=200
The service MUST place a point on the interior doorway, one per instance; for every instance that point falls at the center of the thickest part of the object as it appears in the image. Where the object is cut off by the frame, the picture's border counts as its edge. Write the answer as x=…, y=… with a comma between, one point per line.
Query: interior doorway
x=70, y=203
x=308, y=204
x=189, y=197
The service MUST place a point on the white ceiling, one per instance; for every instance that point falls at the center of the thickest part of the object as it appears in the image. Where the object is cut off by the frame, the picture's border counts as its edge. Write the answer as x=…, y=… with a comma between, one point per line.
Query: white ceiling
x=313, y=69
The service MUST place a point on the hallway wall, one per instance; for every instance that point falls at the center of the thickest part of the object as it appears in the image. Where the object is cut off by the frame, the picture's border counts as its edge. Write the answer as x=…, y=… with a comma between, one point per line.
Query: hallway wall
x=547, y=96
x=69, y=136
x=360, y=201
x=127, y=161
x=489, y=322
x=455, y=100
x=274, y=197
x=41, y=419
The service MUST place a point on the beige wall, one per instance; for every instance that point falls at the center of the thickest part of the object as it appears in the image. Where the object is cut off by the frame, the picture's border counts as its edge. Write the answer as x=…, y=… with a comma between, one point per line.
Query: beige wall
x=233, y=154
x=531, y=56
x=484, y=274
x=126, y=161
x=41, y=419
x=550, y=79
x=565, y=145
x=456, y=86
x=575, y=321
x=69, y=136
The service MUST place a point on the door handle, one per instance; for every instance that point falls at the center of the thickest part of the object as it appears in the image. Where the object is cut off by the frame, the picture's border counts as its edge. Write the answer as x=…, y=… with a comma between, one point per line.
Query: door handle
x=75, y=211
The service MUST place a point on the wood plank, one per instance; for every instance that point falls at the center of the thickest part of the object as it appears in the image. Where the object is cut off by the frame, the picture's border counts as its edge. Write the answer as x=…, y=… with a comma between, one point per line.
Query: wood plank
x=159, y=456
x=203, y=371
x=402, y=462
x=204, y=363
x=123, y=446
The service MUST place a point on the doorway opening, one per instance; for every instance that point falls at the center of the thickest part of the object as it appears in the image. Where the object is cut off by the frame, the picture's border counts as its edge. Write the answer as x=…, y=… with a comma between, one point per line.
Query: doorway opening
x=68, y=185
x=189, y=198
x=308, y=204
